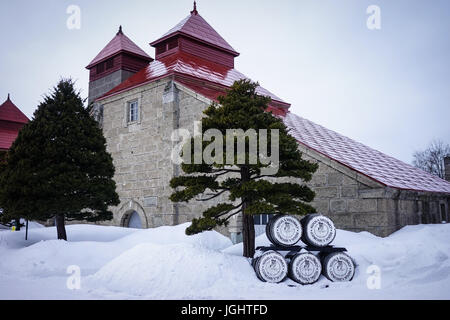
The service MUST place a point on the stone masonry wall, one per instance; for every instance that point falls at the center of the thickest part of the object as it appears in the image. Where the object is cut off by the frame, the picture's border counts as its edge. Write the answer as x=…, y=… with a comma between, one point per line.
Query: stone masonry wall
x=357, y=203
x=141, y=153
x=101, y=86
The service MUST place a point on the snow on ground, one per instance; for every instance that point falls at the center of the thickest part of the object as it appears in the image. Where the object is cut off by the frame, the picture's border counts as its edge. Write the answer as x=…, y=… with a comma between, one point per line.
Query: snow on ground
x=164, y=263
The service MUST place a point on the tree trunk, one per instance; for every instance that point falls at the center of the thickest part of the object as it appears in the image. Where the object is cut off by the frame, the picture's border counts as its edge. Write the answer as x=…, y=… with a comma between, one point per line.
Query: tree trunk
x=17, y=224
x=248, y=234
x=60, y=227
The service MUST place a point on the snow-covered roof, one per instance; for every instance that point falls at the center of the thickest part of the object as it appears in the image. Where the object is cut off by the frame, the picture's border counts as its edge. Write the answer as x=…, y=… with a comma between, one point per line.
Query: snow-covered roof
x=363, y=159
x=196, y=27
x=120, y=43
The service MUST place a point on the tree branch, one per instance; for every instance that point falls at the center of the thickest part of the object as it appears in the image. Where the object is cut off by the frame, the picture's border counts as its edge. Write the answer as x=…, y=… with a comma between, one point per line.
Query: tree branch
x=232, y=215
x=213, y=197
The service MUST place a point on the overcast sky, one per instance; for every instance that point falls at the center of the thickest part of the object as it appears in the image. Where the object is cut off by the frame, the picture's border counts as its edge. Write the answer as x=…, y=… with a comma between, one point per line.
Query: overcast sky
x=387, y=88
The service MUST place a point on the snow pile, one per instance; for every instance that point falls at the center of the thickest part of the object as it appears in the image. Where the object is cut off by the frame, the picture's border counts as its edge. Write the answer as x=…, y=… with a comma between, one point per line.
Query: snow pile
x=415, y=255
x=89, y=247
x=164, y=263
x=177, y=271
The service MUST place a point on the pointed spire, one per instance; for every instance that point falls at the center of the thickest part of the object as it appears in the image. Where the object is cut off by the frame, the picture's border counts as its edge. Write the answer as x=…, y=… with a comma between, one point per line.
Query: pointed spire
x=195, y=12
x=8, y=98
x=120, y=30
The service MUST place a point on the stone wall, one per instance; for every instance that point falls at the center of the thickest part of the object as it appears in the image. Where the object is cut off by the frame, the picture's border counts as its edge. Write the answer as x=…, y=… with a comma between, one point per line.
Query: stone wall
x=447, y=168
x=142, y=151
x=101, y=86
x=357, y=203
x=142, y=156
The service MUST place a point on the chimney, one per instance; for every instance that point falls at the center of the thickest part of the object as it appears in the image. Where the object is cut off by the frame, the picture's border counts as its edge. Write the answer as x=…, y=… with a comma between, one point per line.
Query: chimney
x=447, y=168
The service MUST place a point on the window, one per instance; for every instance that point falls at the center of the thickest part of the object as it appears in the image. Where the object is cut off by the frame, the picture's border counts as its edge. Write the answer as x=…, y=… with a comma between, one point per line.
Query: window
x=133, y=111
x=443, y=213
x=161, y=48
x=109, y=64
x=426, y=212
x=262, y=219
x=100, y=68
x=173, y=44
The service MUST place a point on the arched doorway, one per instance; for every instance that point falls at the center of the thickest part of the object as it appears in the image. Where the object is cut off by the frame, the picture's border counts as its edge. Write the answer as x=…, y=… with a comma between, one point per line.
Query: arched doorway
x=132, y=215
x=132, y=220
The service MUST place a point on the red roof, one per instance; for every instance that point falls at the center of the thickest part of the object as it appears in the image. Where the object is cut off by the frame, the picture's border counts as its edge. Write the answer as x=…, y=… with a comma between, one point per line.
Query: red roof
x=194, y=26
x=191, y=66
x=120, y=43
x=9, y=112
x=8, y=133
x=212, y=93
x=367, y=161
x=11, y=121
x=210, y=80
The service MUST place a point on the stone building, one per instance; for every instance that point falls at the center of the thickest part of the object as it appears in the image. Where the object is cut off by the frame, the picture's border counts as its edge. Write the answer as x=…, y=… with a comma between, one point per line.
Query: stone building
x=358, y=187
x=447, y=168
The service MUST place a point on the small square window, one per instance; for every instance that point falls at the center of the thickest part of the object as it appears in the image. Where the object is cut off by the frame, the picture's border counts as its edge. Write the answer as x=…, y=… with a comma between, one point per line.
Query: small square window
x=133, y=111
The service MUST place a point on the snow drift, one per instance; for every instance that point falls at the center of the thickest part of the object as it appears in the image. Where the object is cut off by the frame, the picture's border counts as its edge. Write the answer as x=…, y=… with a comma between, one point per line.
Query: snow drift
x=177, y=271
x=164, y=263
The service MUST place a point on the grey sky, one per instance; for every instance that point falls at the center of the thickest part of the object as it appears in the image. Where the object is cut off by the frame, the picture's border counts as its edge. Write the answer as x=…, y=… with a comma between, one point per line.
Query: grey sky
x=388, y=88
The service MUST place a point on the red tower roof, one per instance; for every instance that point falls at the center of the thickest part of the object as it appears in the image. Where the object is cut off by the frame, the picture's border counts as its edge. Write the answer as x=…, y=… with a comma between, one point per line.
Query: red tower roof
x=9, y=112
x=194, y=26
x=11, y=121
x=120, y=43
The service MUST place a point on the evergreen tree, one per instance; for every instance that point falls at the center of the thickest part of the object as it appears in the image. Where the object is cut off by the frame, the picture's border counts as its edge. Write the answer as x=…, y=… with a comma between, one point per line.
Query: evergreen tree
x=2, y=156
x=249, y=190
x=58, y=167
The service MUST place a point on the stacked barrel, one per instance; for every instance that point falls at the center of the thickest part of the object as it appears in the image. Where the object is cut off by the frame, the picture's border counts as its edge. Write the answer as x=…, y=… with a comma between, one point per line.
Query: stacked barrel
x=303, y=264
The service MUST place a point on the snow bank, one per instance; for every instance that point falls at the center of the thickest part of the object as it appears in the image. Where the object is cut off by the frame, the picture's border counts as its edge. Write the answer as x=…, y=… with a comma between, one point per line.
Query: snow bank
x=177, y=234
x=415, y=255
x=173, y=271
x=164, y=263
x=89, y=247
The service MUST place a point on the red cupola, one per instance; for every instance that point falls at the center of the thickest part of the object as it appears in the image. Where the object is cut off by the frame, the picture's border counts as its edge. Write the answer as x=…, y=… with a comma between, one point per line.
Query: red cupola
x=11, y=121
x=193, y=35
x=120, y=59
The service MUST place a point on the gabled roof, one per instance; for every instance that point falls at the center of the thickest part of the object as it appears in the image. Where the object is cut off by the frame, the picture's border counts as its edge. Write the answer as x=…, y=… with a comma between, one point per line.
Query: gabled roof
x=9, y=112
x=120, y=43
x=194, y=26
x=363, y=159
x=187, y=65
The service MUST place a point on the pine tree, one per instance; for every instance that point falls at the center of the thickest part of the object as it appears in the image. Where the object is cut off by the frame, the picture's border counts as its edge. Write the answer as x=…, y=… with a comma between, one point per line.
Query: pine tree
x=58, y=167
x=249, y=190
x=2, y=156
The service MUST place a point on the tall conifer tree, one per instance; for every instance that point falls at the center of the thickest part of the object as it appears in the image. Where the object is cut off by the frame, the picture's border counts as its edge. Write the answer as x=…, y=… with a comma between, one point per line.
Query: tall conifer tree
x=248, y=190
x=58, y=167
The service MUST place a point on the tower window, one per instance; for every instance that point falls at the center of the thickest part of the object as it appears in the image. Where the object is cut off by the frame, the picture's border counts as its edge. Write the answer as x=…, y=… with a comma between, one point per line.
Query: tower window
x=133, y=111
x=172, y=44
x=161, y=48
x=100, y=68
x=109, y=64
